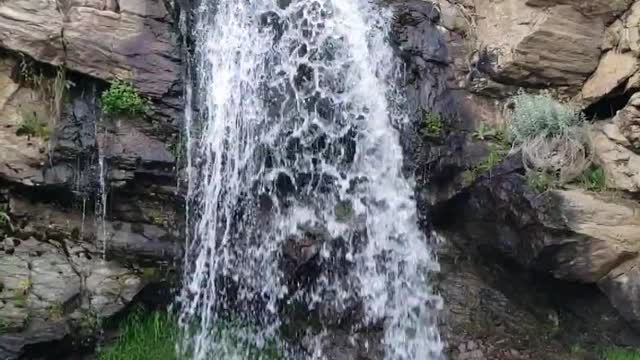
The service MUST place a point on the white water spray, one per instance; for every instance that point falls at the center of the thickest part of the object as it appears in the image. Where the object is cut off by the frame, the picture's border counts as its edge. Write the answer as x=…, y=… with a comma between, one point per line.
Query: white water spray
x=297, y=130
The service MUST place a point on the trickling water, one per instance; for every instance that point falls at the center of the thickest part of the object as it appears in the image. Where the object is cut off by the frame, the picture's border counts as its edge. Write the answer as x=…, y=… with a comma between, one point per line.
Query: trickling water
x=297, y=145
x=101, y=197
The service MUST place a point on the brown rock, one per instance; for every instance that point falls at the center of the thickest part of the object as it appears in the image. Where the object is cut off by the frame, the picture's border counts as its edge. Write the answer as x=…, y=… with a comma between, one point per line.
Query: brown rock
x=605, y=9
x=534, y=46
x=607, y=232
x=21, y=157
x=614, y=69
x=621, y=165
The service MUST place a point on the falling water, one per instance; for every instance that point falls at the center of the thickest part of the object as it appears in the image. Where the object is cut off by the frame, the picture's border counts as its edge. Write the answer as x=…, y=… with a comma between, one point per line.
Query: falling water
x=296, y=143
x=101, y=197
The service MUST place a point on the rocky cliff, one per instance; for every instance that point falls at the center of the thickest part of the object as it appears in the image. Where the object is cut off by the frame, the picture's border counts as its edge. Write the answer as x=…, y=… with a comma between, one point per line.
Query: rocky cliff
x=527, y=274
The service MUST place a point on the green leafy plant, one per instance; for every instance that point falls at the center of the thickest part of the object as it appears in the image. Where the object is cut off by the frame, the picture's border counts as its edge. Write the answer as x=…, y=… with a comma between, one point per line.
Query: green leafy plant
x=432, y=124
x=4, y=220
x=540, y=181
x=55, y=312
x=486, y=132
x=32, y=125
x=593, y=179
x=122, y=98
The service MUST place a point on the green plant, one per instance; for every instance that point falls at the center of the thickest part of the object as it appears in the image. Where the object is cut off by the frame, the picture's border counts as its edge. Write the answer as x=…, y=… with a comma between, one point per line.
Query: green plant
x=593, y=179
x=541, y=115
x=540, y=181
x=620, y=354
x=485, y=132
x=4, y=219
x=148, y=335
x=431, y=124
x=144, y=336
x=32, y=125
x=122, y=98
x=494, y=157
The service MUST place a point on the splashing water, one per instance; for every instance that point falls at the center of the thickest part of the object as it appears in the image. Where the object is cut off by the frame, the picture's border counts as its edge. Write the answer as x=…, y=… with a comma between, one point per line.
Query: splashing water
x=296, y=146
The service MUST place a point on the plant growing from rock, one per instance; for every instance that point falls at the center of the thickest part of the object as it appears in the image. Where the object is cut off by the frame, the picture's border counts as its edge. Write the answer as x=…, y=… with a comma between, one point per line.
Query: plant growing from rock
x=552, y=136
x=33, y=126
x=432, y=124
x=594, y=179
x=122, y=98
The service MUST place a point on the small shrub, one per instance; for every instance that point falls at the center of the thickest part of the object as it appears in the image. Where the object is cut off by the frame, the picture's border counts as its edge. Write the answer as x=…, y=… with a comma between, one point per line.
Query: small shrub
x=32, y=125
x=485, y=132
x=593, y=179
x=541, y=115
x=540, y=181
x=122, y=98
x=432, y=124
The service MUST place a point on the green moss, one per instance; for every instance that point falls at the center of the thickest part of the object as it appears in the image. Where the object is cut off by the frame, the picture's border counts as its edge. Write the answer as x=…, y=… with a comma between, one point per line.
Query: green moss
x=32, y=125
x=432, y=124
x=122, y=98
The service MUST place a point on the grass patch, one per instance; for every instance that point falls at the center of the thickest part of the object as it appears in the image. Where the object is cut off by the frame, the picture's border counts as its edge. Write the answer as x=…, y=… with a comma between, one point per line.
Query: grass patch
x=153, y=335
x=593, y=179
x=32, y=125
x=432, y=124
x=620, y=354
x=144, y=336
x=122, y=98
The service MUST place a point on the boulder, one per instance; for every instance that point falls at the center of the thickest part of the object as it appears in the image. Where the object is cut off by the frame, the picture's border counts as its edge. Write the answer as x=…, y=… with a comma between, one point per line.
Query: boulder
x=607, y=10
x=50, y=285
x=538, y=47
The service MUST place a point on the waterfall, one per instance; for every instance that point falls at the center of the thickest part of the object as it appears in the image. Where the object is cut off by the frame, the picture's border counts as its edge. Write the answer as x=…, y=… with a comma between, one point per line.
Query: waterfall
x=294, y=155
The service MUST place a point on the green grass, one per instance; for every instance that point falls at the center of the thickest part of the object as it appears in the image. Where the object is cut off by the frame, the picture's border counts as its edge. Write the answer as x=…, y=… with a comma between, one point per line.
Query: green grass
x=144, y=336
x=122, y=98
x=153, y=336
x=621, y=354
x=32, y=125
x=593, y=179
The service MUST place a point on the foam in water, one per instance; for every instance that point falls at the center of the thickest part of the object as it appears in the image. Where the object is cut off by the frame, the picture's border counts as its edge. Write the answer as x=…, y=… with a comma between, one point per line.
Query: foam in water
x=297, y=142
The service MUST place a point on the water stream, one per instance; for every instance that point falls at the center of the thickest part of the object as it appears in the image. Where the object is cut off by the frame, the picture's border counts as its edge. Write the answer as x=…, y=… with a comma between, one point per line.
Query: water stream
x=295, y=156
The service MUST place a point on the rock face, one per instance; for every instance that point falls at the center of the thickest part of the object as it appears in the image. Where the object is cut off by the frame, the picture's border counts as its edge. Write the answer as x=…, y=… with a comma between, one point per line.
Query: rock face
x=533, y=46
x=615, y=144
x=131, y=41
x=54, y=283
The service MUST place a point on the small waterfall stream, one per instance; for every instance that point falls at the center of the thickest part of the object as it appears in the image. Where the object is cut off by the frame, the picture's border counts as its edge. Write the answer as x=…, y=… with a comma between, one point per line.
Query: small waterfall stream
x=295, y=155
